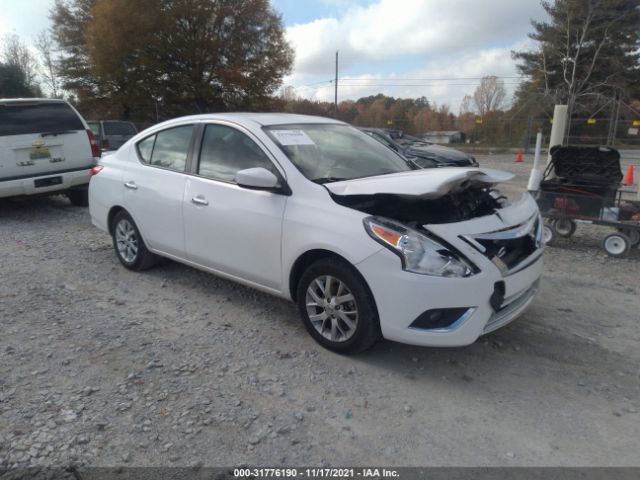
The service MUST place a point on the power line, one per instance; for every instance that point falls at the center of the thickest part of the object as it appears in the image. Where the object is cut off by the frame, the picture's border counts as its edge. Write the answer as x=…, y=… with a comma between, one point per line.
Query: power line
x=408, y=79
x=344, y=84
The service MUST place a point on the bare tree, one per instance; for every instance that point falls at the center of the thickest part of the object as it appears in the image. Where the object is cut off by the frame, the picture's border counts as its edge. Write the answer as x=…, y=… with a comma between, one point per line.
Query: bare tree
x=466, y=105
x=490, y=95
x=49, y=63
x=18, y=54
x=289, y=93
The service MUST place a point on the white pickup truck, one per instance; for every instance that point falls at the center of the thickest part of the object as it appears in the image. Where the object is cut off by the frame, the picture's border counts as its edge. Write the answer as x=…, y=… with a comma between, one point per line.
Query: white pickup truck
x=46, y=148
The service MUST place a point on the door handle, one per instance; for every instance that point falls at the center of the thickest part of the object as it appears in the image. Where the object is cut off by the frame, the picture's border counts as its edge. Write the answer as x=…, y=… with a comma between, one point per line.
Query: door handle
x=131, y=185
x=199, y=200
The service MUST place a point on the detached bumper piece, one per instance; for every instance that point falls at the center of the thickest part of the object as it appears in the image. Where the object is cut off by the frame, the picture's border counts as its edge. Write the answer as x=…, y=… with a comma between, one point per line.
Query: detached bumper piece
x=511, y=309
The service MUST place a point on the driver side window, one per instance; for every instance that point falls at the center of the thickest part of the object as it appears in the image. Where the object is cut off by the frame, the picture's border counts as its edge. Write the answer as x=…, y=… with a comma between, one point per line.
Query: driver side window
x=225, y=151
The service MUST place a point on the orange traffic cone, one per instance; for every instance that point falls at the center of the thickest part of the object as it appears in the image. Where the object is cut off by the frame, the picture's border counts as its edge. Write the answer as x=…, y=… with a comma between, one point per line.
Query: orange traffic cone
x=628, y=178
x=519, y=156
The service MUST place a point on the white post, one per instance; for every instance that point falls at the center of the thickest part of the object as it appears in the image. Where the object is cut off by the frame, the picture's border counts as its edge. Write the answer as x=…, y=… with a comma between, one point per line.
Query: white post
x=558, y=128
x=536, y=175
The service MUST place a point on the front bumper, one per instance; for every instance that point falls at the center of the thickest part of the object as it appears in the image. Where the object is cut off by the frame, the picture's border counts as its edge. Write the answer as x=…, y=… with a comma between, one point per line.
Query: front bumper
x=402, y=297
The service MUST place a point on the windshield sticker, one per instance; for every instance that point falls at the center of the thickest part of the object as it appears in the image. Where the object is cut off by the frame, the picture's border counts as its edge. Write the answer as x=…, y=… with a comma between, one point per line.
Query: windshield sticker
x=292, y=137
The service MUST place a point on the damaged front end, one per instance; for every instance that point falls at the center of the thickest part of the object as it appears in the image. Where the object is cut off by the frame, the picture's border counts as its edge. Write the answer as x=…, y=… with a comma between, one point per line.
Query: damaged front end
x=425, y=197
x=439, y=224
x=465, y=203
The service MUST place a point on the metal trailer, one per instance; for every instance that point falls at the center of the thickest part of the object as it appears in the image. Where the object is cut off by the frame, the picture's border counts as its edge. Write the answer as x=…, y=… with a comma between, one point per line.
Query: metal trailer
x=581, y=185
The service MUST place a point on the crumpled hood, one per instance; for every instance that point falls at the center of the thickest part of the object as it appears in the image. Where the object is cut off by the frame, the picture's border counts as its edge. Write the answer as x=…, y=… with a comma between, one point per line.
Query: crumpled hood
x=439, y=151
x=428, y=183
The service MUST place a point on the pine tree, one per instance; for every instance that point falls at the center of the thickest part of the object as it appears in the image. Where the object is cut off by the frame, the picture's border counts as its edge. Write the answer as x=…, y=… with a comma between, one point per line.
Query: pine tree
x=587, y=49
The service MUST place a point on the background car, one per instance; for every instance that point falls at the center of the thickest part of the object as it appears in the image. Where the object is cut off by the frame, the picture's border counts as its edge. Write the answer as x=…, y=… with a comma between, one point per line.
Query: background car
x=312, y=210
x=112, y=134
x=420, y=152
x=46, y=147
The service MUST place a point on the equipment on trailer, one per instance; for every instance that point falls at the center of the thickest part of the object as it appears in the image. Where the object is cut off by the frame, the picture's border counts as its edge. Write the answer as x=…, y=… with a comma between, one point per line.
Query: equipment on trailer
x=582, y=184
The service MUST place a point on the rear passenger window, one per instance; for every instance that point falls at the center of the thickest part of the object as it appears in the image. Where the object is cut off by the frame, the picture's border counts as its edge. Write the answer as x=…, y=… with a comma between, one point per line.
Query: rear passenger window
x=119, y=128
x=167, y=149
x=145, y=148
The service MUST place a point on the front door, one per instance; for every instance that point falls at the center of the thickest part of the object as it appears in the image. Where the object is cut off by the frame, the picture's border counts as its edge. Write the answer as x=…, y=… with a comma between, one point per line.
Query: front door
x=229, y=228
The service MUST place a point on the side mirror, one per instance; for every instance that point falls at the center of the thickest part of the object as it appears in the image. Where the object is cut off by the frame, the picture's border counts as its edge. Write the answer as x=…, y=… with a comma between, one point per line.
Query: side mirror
x=259, y=178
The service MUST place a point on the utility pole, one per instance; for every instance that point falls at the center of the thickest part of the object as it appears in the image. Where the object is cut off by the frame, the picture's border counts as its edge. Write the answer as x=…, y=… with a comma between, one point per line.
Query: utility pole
x=336, y=86
x=613, y=122
x=528, y=134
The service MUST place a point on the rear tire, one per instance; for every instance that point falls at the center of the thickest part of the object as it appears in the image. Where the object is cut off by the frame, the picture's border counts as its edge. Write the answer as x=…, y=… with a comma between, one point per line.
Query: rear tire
x=337, y=307
x=616, y=245
x=129, y=245
x=79, y=197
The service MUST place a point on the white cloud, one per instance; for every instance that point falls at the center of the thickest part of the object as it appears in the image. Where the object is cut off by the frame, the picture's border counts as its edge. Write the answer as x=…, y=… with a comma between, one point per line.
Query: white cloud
x=390, y=28
x=456, y=38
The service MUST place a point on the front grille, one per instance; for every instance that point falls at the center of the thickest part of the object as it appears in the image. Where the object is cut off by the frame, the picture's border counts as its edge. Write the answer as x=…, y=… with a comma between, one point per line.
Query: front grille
x=510, y=247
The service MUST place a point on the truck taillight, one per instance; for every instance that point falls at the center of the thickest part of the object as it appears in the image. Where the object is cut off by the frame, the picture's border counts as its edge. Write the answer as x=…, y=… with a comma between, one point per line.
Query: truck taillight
x=95, y=150
x=96, y=170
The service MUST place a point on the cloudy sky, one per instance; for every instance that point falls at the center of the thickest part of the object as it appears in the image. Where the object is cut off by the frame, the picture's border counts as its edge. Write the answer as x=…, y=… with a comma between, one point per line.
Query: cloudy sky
x=403, y=48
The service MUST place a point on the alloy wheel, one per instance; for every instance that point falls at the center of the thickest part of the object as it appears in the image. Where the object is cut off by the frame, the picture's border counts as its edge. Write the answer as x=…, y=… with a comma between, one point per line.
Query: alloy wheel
x=126, y=240
x=332, y=308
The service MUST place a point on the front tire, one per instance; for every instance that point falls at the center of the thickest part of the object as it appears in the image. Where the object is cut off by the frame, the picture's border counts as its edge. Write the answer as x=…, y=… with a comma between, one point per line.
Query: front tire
x=129, y=245
x=337, y=307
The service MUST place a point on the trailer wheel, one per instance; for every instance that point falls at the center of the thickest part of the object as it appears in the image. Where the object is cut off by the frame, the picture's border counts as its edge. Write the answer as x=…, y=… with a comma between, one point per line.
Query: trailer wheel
x=548, y=234
x=564, y=227
x=616, y=244
x=634, y=235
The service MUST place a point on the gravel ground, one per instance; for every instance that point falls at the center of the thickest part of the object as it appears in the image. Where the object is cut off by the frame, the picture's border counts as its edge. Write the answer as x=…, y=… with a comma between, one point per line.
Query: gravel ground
x=101, y=366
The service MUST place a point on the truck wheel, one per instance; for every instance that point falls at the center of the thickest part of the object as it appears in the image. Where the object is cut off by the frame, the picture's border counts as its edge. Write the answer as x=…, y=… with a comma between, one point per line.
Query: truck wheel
x=548, y=234
x=616, y=245
x=564, y=227
x=634, y=235
x=79, y=197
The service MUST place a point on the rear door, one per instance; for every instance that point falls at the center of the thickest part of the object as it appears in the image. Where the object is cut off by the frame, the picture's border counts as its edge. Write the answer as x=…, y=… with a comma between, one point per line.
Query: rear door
x=154, y=184
x=41, y=137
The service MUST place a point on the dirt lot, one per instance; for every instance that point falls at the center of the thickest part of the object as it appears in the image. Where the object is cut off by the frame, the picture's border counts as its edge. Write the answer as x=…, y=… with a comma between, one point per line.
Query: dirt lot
x=102, y=366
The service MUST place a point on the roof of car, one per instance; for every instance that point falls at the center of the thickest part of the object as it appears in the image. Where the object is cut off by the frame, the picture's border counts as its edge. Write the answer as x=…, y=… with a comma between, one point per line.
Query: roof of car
x=31, y=100
x=262, y=119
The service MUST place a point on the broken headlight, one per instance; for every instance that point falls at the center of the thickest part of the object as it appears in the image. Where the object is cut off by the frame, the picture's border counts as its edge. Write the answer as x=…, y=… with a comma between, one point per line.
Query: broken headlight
x=418, y=252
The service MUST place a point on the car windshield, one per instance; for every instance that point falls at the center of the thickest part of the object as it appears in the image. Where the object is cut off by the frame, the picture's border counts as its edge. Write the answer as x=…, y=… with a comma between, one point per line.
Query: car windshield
x=408, y=140
x=329, y=153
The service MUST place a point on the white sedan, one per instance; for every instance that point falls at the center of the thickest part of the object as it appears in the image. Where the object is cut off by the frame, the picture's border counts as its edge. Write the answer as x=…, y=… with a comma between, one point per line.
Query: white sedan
x=312, y=210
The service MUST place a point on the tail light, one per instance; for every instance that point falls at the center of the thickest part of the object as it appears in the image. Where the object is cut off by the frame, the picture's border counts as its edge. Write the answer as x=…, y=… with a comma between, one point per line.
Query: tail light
x=105, y=144
x=96, y=170
x=95, y=150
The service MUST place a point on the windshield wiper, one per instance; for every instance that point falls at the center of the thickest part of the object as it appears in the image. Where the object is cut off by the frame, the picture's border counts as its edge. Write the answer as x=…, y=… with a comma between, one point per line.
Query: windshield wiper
x=322, y=180
x=53, y=134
